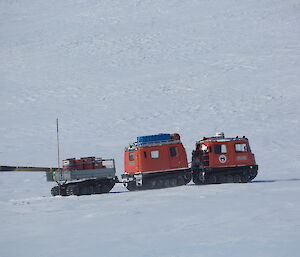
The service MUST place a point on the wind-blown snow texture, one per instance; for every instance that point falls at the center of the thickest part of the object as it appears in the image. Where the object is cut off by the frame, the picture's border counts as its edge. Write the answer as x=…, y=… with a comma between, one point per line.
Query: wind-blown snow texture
x=114, y=70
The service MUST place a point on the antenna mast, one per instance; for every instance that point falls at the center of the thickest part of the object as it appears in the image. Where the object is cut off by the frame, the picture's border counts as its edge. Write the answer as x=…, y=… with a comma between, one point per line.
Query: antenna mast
x=57, y=138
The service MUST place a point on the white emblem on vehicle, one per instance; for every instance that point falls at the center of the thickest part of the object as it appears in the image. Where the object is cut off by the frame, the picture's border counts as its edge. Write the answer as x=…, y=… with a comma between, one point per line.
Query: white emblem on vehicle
x=222, y=158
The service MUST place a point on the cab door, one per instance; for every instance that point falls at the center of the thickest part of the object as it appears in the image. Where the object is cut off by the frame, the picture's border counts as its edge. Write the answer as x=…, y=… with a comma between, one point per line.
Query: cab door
x=221, y=157
x=174, y=157
x=131, y=161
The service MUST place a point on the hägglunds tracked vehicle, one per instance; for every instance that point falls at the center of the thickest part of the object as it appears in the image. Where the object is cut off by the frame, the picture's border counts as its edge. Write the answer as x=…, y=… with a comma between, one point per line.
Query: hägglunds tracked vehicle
x=84, y=176
x=155, y=161
x=223, y=160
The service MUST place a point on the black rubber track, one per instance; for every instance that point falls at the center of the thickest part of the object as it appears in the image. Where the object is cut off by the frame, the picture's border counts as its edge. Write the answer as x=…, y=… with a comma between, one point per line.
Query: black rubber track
x=87, y=187
x=220, y=176
x=162, y=180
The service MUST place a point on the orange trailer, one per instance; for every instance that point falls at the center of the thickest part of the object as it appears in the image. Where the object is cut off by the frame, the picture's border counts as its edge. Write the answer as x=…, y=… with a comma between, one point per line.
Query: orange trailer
x=155, y=161
x=223, y=160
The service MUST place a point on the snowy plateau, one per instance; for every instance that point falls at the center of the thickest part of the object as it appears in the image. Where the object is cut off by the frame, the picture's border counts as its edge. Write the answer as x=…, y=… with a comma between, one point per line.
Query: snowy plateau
x=112, y=70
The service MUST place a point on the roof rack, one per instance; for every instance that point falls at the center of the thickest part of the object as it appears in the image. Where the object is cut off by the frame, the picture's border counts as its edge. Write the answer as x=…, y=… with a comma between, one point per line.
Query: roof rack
x=136, y=145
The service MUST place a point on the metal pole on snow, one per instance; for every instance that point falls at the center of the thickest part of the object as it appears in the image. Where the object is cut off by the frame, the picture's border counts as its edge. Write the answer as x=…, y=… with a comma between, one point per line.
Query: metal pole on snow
x=57, y=138
x=58, y=155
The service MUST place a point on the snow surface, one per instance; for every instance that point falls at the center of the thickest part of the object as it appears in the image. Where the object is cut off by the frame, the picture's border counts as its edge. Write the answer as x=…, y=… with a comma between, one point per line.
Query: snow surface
x=114, y=70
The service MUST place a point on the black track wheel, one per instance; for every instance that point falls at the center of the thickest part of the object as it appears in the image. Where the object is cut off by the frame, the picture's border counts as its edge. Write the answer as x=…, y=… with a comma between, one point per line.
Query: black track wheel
x=59, y=191
x=160, y=183
x=187, y=177
x=98, y=189
x=173, y=182
x=106, y=188
x=180, y=181
x=91, y=190
x=253, y=174
x=237, y=178
x=196, y=178
x=152, y=184
x=111, y=184
x=246, y=178
x=131, y=186
x=222, y=179
x=166, y=183
x=212, y=179
x=54, y=191
x=229, y=179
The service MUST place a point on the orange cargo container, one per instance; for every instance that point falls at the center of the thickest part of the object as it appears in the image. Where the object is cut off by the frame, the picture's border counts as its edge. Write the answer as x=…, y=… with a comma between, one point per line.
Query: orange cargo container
x=85, y=163
x=88, y=163
x=79, y=164
x=69, y=164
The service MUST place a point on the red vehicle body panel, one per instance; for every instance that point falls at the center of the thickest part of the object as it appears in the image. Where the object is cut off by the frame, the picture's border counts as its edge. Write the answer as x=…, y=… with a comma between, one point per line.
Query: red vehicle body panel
x=141, y=159
x=238, y=152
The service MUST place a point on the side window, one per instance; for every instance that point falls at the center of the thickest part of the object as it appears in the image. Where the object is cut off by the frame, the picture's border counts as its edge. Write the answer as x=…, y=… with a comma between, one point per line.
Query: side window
x=220, y=148
x=173, y=151
x=145, y=154
x=204, y=148
x=155, y=154
x=223, y=149
x=131, y=156
x=241, y=148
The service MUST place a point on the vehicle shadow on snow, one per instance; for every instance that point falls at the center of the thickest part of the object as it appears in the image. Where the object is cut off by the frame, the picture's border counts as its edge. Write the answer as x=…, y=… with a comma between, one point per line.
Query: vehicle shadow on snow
x=275, y=180
x=257, y=181
x=117, y=192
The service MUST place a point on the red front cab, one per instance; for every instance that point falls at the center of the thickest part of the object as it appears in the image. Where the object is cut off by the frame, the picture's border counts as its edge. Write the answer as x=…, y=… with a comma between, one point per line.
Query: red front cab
x=218, y=152
x=155, y=156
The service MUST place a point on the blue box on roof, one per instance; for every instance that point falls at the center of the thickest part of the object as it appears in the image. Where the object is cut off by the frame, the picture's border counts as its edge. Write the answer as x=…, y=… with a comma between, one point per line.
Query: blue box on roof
x=153, y=138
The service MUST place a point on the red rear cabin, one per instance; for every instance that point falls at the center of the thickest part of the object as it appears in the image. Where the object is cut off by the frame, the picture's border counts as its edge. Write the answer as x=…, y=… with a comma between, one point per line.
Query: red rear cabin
x=155, y=161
